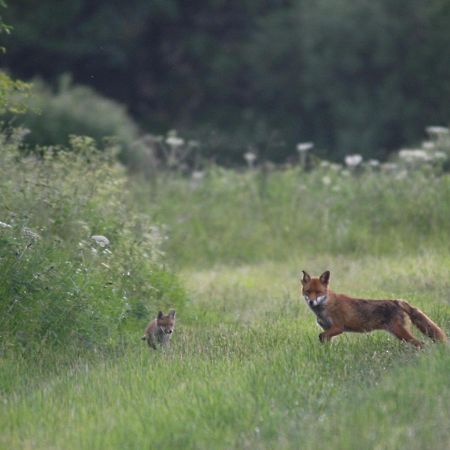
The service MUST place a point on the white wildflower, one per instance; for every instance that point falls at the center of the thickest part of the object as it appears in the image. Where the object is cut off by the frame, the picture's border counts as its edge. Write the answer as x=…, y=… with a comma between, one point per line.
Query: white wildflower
x=326, y=180
x=198, y=175
x=324, y=164
x=373, y=163
x=175, y=141
x=197, y=178
x=250, y=158
x=30, y=233
x=102, y=241
x=21, y=132
x=439, y=156
x=437, y=131
x=304, y=146
x=353, y=160
x=413, y=155
x=5, y=225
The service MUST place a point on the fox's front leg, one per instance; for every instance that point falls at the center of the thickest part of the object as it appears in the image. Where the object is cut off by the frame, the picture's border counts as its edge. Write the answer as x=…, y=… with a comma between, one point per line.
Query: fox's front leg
x=328, y=334
x=151, y=341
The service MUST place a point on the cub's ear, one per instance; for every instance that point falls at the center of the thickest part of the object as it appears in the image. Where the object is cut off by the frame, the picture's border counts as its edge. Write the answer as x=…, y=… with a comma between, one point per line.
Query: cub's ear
x=160, y=315
x=325, y=277
x=306, y=277
x=172, y=313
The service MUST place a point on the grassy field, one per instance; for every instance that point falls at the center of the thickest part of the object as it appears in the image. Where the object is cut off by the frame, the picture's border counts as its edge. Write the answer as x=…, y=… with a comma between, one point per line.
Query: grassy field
x=246, y=370
x=85, y=265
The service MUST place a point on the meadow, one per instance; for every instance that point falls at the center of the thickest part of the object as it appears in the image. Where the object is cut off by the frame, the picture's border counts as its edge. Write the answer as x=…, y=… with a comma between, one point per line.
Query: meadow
x=245, y=368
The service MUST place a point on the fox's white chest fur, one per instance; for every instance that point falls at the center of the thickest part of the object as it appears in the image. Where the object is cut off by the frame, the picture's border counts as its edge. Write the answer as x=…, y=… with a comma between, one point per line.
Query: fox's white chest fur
x=318, y=307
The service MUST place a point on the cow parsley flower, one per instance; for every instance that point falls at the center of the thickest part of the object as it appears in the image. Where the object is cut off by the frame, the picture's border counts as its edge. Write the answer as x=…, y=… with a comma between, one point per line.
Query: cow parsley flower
x=198, y=175
x=413, y=155
x=250, y=158
x=352, y=161
x=30, y=234
x=437, y=131
x=304, y=146
x=175, y=141
x=326, y=180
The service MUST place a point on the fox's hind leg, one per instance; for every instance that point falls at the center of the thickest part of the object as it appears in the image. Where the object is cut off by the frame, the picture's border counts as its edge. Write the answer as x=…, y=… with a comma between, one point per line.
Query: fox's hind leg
x=399, y=331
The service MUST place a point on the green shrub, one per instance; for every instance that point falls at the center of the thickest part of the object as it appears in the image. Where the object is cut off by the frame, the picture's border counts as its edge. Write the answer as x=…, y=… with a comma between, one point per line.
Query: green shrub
x=60, y=285
x=54, y=115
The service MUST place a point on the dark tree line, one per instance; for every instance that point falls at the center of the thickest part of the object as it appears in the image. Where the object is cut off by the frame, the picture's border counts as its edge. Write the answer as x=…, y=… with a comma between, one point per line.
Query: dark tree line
x=351, y=75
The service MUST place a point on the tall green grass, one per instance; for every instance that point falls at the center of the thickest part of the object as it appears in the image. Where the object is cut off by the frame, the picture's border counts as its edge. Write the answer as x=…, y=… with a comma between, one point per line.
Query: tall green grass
x=233, y=217
x=249, y=372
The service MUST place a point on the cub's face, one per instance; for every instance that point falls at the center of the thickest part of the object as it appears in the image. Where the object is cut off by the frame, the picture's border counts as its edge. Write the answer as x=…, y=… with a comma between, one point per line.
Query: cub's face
x=315, y=290
x=166, y=323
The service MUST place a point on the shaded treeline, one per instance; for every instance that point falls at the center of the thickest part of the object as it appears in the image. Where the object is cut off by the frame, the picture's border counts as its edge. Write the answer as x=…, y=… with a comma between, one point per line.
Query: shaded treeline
x=350, y=75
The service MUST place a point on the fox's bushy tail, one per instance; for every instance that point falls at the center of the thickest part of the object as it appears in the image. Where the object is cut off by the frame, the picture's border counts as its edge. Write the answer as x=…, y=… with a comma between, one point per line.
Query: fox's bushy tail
x=423, y=322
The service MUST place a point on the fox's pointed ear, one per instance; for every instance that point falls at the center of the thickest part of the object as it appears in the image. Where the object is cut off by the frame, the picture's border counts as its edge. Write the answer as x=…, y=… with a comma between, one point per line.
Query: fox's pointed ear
x=160, y=315
x=172, y=313
x=306, y=277
x=325, y=277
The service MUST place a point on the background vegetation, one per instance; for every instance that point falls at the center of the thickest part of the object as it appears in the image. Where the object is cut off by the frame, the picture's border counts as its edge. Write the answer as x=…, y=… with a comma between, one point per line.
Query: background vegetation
x=249, y=217
x=352, y=76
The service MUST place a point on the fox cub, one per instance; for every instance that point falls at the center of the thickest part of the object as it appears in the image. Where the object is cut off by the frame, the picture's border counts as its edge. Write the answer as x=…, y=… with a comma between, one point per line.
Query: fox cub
x=337, y=313
x=160, y=330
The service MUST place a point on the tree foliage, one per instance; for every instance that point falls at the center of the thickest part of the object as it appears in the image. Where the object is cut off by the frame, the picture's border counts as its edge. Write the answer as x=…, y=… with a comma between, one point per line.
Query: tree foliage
x=352, y=75
x=12, y=92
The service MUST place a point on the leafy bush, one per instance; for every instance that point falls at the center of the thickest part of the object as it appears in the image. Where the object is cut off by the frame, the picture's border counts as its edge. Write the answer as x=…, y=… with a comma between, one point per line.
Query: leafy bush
x=54, y=115
x=80, y=263
x=13, y=94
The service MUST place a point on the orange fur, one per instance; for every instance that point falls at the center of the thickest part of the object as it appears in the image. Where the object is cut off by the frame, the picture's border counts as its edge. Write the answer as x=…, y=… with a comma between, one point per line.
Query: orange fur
x=160, y=329
x=338, y=313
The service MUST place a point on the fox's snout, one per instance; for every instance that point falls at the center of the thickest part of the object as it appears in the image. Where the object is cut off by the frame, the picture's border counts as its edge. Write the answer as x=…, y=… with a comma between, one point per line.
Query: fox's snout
x=166, y=330
x=319, y=300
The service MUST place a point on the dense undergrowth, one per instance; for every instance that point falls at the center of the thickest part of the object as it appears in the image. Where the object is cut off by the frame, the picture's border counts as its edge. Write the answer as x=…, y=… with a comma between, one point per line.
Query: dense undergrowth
x=81, y=264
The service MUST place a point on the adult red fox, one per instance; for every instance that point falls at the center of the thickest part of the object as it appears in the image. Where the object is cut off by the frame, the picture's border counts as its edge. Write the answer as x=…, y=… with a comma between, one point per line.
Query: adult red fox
x=159, y=330
x=337, y=313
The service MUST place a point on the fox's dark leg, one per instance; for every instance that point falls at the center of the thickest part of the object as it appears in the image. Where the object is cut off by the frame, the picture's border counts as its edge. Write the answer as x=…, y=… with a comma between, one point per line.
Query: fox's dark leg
x=151, y=342
x=328, y=334
x=403, y=334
